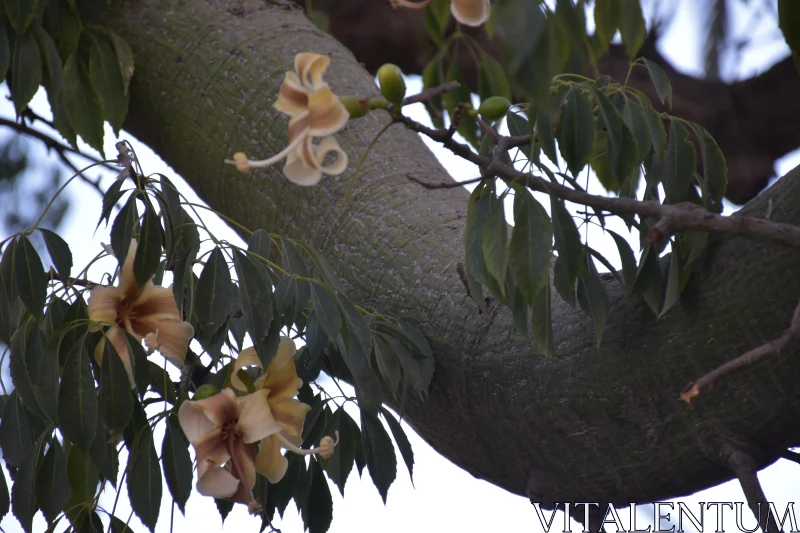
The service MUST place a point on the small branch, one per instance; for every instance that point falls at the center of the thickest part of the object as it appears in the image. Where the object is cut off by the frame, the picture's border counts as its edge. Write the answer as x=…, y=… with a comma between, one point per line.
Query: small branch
x=746, y=470
x=790, y=337
x=428, y=94
x=444, y=184
x=790, y=455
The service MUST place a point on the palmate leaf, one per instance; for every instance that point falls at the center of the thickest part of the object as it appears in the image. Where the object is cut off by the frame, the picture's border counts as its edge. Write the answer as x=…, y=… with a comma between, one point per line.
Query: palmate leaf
x=379, y=453
x=108, y=81
x=144, y=479
x=26, y=64
x=530, y=247
x=82, y=103
x=214, y=297
x=577, y=135
x=77, y=401
x=177, y=463
x=29, y=276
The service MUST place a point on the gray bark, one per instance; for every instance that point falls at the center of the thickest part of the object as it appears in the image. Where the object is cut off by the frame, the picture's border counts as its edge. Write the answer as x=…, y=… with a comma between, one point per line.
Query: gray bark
x=589, y=424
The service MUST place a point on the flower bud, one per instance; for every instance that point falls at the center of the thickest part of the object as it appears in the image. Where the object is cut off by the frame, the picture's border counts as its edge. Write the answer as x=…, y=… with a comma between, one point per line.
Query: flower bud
x=327, y=445
x=205, y=391
x=241, y=162
x=355, y=106
x=393, y=86
x=494, y=108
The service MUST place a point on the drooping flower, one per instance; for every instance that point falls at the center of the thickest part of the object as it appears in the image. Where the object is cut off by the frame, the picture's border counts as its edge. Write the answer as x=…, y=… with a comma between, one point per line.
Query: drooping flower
x=467, y=12
x=149, y=314
x=315, y=113
x=281, y=383
x=224, y=430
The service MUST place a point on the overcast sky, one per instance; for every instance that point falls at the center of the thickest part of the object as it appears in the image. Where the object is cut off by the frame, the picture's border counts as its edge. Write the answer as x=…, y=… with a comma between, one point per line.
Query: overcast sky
x=443, y=497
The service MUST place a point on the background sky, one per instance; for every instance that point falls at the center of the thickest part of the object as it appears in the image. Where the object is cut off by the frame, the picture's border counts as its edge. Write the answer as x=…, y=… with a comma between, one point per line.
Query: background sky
x=443, y=497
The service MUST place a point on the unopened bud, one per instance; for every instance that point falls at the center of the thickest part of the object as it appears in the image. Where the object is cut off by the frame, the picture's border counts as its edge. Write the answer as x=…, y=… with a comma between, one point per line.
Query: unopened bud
x=327, y=446
x=393, y=86
x=494, y=107
x=241, y=162
x=205, y=391
x=355, y=106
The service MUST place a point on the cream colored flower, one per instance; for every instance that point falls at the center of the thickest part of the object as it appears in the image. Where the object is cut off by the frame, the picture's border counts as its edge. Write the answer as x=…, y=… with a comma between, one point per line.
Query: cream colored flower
x=282, y=384
x=468, y=12
x=223, y=430
x=149, y=313
x=315, y=112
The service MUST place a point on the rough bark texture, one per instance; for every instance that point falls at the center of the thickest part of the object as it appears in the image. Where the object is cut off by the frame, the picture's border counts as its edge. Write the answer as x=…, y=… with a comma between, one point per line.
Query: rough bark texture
x=590, y=424
x=755, y=121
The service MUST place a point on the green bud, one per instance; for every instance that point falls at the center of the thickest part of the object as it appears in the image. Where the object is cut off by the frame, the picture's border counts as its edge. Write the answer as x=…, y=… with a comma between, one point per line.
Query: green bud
x=494, y=108
x=205, y=391
x=392, y=84
x=355, y=106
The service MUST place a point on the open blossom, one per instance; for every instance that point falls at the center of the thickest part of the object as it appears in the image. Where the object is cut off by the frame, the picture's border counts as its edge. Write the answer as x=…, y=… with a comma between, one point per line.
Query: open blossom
x=149, y=314
x=282, y=384
x=468, y=12
x=315, y=112
x=224, y=431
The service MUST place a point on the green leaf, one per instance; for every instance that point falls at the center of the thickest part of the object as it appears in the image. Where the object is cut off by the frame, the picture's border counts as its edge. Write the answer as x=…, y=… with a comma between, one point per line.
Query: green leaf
x=26, y=64
x=478, y=208
x=214, y=298
x=432, y=77
x=77, y=402
x=530, y=247
x=326, y=310
x=21, y=13
x=124, y=56
x=148, y=251
x=402, y=441
x=495, y=242
x=320, y=506
x=59, y=252
x=388, y=363
x=544, y=134
x=5, y=53
x=118, y=526
x=378, y=452
x=627, y=259
x=368, y=389
x=26, y=353
x=107, y=79
x=5, y=500
x=648, y=279
x=29, y=274
x=567, y=240
x=52, y=70
x=23, y=500
x=658, y=134
x=542, y=321
x=82, y=104
x=715, y=169
x=63, y=23
x=562, y=284
x=673, y=291
x=635, y=119
x=660, y=81
x=632, y=27
x=592, y=297
x=104, y=452
x=577, y=136
x=144, y=479
x=339, y=465
x=255, y=299
x=495, y=75
x=83, y=480
x=177, y=463
x=259, y=243
x=293, y=263
x=411, y=371
x=116, y=401
x=605, y=21
x=52, y=483
x=16, y=435
x=679, y=164
x=123, y=228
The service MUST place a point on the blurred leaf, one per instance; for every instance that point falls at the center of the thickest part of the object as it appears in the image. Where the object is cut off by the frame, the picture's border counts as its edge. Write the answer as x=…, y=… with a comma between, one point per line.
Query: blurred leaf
x=63, y=23
x=432, y=77
x=605, y=20
x=124, y=56
x=632, y=27
x=715, y=169
x=577, y=136
x=259, y=243
x=530, y=247
x=626, y=258
x=673, y=291
x=26, y=65
x=108, y=81
x=544, y=134
x=493, y=75
x=648, y=279
x=21, y=13
x=23, y=500
x=59, y=252
x=148, y=251
x=144, y=479
x=30, y=278
x=388, y=363
x=320, y=506
x=542, y=321
x=255, y=300
x=83, y=480
x=402, y=441
x=123, y=228
x=5, y=497
x=293, y=263
x=495, y=241
x=634, y=118
x=82, y=104
x=214, y=297
x=660, y=81
x=339, y=465
x=5, y=54
x=679, y=164
x=52, y=70
x=16, y=435
x=52, y=483
x=378, y=452
x=326, y=310
x=592, y=297
x=437, y=14
x=116, y=402
x=368, y=390
x=104, y=452
x=658, y=134
x=77, y=402
x=567, y=240
x=177, y=463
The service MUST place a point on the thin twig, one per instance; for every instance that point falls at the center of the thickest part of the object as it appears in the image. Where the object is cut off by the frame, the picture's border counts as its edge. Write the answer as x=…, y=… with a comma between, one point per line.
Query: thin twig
x=790, y=455
x=428, y=94
x=770, y=349
x=444, y=184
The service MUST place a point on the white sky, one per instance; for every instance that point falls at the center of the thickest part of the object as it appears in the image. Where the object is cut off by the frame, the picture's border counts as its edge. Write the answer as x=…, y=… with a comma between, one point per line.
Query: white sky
x=443, y=497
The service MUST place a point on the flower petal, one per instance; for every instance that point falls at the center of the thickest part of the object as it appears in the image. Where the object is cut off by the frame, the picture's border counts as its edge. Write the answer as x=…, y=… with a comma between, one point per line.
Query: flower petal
x=292, y=96
x=200, y=417
x=120, y=343
x=127, y=280
x=255, y=418
x=270, y=462
x=211, y=449
x=281, y=375
x=471, y=12
x=103, y=304
x=313, y=66
x=302, y=170
x=155, y=302
x=217, y=482
x=290, y=413
x=247, y=357
x=329, y=144
x=173, y=339
x=327, y=113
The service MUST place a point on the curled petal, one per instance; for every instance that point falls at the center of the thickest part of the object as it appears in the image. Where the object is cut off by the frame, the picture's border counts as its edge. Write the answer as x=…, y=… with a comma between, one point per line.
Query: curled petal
x=247, y=357
x=471, y=12
x=313, y=66
x=305, y=167
x=103, y=304
x=155, y=302
x=216, y=481
x=292, y=96
x=173, y=339
x=211, y=449
x=127, y=280
x=327, y=113
x=269, y=461
x=281, y=376
x=330, y=145
x=120, y=344
x=199, y=417
x=290, y=413
x=255, y=417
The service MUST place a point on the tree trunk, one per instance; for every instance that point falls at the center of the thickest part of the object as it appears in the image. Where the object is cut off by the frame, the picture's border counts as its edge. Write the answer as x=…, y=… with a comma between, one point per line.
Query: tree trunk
x=590, y=424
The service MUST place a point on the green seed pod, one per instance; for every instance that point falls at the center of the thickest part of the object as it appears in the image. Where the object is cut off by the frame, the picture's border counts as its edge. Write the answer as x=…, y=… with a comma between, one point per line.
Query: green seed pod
x=205, y=391
x=393, y=86
x=494, y=107
x=355, y=106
